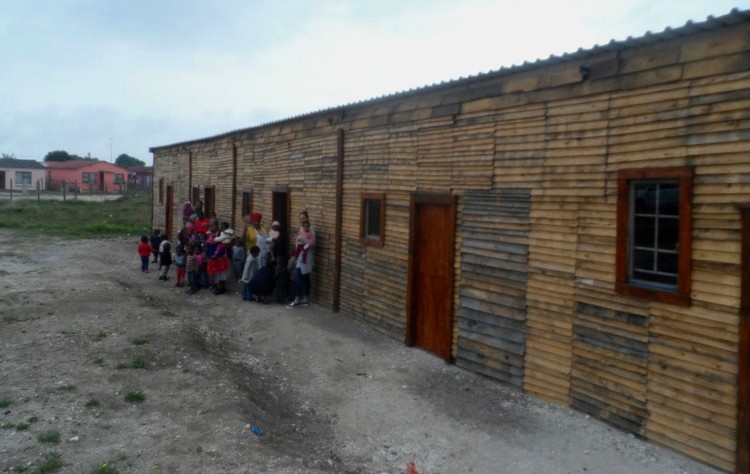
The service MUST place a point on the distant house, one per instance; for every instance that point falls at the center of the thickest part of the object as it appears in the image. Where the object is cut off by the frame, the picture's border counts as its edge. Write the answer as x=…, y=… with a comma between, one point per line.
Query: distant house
x=141, y=176
x=86, y=175
x=21, y=174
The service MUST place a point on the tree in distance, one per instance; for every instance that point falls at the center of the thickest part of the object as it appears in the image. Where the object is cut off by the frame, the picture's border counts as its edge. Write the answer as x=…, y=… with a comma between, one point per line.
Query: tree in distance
x=61, y=155
x=127, y=161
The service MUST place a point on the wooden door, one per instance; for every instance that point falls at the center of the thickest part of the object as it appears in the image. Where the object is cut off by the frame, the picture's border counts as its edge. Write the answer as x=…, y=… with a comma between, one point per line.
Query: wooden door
x=168, y=212
x=742, y=464
x=2, y=179
x=101, y=181
x=430, y=284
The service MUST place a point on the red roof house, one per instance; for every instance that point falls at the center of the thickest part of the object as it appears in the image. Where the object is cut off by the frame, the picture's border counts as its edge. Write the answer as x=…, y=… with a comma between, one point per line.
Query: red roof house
x=87, y=175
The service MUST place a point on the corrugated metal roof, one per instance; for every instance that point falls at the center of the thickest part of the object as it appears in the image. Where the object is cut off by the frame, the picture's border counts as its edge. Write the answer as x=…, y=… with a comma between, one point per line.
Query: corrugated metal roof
x=20, y=164
x=690, y=28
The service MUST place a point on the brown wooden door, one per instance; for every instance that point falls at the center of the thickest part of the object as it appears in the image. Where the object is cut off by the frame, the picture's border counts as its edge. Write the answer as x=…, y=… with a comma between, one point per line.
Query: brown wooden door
x=430, y=293
x=743, y=357
x=168, y=212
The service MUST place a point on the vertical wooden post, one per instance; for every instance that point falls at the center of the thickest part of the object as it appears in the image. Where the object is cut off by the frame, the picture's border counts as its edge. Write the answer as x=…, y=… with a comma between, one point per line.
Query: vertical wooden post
x=742, y=463
x=339, y=218
x=75, y=190
x=11, y=190
x=234, y=182
x=38, y=192
x=65, y=190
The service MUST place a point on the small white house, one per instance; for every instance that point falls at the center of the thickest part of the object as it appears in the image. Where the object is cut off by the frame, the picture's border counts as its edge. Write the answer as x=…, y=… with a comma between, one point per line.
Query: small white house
x=21, y=174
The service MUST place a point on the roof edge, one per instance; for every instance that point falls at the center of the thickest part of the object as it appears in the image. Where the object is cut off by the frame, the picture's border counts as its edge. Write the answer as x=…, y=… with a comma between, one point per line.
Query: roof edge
x=690, y=28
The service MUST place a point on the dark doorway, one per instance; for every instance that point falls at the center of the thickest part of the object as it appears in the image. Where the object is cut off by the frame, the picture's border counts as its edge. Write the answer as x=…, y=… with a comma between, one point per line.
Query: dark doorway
x=209, y=193
x=280, y=212
x=101, y=182
x=430, y=281
x=742, y=464
x=168, y=212
x=2, y=180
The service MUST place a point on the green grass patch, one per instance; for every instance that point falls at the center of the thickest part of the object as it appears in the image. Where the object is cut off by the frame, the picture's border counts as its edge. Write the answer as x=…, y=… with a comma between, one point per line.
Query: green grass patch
x=66, y=388
x=50, y=436
x=74, y=218
x=52, y=463
x=139, y=341
x=92, y=403
x=4, y=272
x=99, y=336
x=7, y=426
x=99, y=361
x=33, y=419
x=121, y=365
x=135, y=397
x=105, y=469
x=4, y=403
x=139, y=363
x=22, y=427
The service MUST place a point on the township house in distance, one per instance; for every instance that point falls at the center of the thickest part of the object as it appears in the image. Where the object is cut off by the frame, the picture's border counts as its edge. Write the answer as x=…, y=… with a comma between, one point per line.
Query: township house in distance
x=577, y=227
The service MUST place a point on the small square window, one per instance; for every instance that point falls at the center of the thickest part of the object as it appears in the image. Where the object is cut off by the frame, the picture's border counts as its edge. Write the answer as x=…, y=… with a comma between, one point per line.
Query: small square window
x=23, y=178
x=372, y=219
x=119, y=178
x=654, y=226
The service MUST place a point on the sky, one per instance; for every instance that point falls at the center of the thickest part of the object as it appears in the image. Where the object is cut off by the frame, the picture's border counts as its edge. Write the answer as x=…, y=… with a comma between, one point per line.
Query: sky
x=105, y=77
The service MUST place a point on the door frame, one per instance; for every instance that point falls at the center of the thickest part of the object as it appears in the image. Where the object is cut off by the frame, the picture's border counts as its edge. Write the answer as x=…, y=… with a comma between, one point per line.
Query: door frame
x=742, y=461
x=415, y=201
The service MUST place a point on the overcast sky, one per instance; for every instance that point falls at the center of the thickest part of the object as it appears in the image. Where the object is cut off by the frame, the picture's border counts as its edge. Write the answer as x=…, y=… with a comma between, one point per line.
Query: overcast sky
x=90, y=76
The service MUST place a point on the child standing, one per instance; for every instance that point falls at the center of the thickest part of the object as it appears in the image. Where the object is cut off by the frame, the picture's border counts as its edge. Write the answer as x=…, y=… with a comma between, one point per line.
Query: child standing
x=144, y=251
x=155, y=241
x=191, y=267
x=165, y=259
x=251, y=266
x=180, y=262
x=238, y=259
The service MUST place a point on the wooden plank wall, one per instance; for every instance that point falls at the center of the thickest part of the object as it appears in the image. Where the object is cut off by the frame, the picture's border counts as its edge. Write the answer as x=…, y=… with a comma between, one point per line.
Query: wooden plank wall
x=494, y=269
x=663, y=372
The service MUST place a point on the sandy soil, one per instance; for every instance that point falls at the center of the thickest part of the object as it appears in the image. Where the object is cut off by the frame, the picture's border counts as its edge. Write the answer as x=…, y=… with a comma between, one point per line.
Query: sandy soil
x=329, y=394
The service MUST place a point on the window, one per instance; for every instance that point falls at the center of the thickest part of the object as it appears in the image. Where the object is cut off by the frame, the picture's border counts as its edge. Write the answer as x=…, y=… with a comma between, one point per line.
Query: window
x=654, y=234
x=88, y=178
x=119, y=178
x=196, y=195
x=23, y=178
x=247, y=203
x=161, y=190
x=372, y=219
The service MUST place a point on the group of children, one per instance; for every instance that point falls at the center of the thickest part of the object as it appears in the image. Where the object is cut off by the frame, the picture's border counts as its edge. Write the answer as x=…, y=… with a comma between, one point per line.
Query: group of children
x=208, y=255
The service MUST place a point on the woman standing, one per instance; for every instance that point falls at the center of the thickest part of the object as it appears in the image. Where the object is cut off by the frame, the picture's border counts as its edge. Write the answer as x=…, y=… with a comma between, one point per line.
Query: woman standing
x=303, y=254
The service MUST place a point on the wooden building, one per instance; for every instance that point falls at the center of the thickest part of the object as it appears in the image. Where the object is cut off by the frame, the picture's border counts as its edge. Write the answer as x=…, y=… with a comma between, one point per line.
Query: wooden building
x=573, y=226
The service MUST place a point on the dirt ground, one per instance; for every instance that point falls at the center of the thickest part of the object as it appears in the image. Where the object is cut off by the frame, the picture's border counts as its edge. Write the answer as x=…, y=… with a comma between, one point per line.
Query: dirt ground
x=329, y=394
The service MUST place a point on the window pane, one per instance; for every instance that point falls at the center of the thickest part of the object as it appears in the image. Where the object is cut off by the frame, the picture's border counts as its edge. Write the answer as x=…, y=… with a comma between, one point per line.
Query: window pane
x=667, y=263
x=645, y=197
x=372, y=218
x=669, y=228
x=643, y=260
x=669, y=199
x=644, y=231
